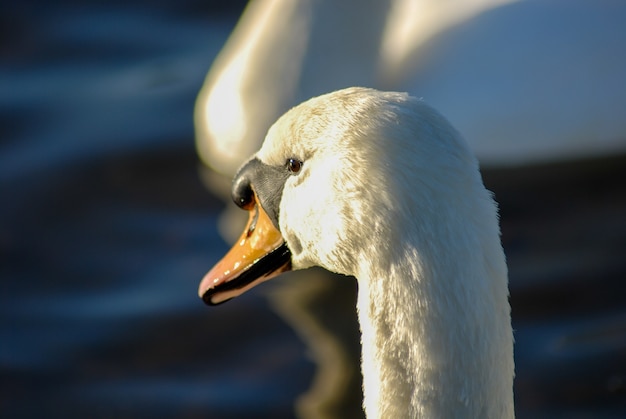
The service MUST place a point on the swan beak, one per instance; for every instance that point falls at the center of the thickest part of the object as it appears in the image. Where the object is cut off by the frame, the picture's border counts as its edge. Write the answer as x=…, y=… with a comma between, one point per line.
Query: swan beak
x=259, y=254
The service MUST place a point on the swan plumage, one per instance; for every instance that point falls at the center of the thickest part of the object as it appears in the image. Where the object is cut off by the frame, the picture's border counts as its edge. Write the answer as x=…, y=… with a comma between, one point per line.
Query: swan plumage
x=380, y=186
x=476, y=61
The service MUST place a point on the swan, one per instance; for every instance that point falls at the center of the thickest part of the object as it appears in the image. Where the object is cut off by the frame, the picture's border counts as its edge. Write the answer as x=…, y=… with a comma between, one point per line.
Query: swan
x=282, y=52
x=378, y=185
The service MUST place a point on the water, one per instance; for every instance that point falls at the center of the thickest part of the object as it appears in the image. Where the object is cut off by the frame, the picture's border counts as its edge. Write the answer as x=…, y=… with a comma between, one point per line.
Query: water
x=106, y=230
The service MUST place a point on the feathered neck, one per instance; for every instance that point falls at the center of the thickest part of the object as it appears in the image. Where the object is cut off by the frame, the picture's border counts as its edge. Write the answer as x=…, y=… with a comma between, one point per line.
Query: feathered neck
x=406, y=212
x=435, y=320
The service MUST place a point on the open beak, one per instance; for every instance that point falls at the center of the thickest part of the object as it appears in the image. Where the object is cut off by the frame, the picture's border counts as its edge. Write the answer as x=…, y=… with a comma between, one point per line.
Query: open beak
x=260, y=254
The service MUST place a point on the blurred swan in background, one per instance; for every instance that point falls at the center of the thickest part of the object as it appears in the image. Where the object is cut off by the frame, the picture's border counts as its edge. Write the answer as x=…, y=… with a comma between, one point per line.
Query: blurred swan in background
x=545, y=79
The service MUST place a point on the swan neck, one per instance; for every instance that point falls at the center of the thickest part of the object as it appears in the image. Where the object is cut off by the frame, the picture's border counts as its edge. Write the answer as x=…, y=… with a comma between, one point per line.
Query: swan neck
x=429, y=350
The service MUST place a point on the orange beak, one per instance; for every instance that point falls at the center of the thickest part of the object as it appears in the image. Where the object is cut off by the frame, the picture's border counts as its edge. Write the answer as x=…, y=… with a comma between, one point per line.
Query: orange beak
x=259, y=254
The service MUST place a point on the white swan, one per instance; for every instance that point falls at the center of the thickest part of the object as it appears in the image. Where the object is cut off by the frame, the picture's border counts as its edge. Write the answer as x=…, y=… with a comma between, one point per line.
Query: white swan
x=496, y=68
x=380, y=186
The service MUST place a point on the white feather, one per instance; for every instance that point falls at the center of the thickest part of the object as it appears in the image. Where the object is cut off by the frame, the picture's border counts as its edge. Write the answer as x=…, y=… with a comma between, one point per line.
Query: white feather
x=390, y=193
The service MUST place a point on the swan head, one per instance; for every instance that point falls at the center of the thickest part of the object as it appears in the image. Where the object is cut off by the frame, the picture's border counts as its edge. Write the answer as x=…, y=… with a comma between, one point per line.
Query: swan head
x=339, y=180
x=379, y=186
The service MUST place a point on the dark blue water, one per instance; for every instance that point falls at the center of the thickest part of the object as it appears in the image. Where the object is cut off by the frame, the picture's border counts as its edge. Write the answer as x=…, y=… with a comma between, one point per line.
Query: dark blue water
x=106, y=230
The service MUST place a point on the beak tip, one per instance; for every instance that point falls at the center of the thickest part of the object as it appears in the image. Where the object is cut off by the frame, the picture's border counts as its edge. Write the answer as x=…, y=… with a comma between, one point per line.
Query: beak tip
x=208, y=300
x=206, y=297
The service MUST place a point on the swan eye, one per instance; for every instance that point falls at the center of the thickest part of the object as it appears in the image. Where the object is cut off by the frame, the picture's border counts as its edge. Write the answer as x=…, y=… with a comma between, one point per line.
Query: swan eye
x=294, y=166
